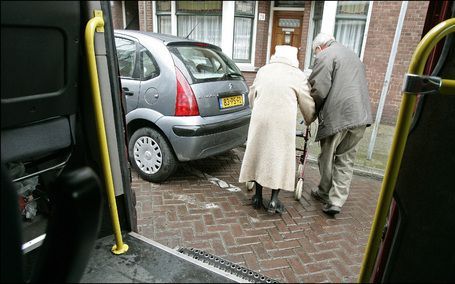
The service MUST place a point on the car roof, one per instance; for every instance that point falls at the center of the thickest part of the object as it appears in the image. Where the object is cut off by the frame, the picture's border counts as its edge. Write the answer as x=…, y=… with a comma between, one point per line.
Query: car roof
x=168, y=40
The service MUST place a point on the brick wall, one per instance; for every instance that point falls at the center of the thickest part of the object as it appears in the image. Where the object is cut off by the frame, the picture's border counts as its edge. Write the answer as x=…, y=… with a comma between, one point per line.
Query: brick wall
x=305, y=27
x=262, y=34
x=381, y=32
x=149, y=16
x=117, y=14
x=249, y=77
x=262, y=31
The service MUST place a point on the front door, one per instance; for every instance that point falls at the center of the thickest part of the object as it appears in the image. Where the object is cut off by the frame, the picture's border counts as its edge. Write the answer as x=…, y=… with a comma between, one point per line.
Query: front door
x=287, y=29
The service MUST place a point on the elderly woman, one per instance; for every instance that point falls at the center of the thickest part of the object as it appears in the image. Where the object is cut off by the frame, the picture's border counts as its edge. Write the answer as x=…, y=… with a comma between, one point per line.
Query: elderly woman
x=279, y=88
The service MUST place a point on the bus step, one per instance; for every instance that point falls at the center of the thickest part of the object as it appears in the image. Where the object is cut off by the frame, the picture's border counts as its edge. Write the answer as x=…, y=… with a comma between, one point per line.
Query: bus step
x=227, y=266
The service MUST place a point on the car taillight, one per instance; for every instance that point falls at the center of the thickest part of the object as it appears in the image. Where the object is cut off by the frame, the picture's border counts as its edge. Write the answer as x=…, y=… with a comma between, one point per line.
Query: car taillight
x=185, y=102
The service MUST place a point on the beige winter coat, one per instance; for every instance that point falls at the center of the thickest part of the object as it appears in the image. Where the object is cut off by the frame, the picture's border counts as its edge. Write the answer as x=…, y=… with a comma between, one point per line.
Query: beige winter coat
x=277, y=91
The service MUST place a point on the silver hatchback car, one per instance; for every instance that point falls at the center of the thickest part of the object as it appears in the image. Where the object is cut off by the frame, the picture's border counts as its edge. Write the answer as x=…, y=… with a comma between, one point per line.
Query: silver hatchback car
x=186, y=100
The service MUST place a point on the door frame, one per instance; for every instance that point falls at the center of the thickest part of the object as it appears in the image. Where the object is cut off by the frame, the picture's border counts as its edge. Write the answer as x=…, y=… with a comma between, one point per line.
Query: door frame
x=270, y=29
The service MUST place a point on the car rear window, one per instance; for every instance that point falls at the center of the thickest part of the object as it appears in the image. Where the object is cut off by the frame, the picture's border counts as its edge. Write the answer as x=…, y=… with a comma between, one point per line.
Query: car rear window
x=206, y=64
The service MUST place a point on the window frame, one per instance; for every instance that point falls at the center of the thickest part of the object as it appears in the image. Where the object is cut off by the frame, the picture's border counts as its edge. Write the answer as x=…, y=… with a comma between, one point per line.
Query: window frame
x=311, y=35
x=355, y=18
x=179, y=13
x=247, y=16
x=332, y=20
x=136, y=76
x=212, y=14
x=227, y=36
x=276, y=5
x=140, y=49
x=159, y=14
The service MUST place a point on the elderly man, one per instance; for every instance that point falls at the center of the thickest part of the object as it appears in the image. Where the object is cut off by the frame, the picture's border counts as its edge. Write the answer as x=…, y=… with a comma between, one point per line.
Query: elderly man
x=340, y=92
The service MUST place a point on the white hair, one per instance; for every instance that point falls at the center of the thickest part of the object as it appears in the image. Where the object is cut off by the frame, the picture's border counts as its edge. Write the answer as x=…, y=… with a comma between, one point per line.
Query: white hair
x=321, y=39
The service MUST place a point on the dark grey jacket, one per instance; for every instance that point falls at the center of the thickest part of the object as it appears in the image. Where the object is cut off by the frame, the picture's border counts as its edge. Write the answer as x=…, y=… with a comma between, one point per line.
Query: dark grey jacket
x=340, y=91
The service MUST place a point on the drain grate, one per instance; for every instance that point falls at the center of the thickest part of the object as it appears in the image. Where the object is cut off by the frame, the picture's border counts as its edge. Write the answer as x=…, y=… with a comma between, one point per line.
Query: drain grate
x=227, y=266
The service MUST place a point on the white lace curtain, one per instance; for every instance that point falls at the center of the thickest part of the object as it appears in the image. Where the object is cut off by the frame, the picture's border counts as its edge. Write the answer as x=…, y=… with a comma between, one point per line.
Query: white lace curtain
x=164, y=23
x=242, y=38
x=350, y=24
x=350, y=33
x=208, y=28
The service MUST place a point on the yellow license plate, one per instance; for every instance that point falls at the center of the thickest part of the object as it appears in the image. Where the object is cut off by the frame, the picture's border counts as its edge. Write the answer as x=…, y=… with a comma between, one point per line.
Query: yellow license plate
x=231, y=101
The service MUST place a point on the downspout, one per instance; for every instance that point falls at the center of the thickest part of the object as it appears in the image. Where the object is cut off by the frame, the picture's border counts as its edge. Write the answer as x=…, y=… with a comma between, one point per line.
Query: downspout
x=124, y=14
x=388, y=75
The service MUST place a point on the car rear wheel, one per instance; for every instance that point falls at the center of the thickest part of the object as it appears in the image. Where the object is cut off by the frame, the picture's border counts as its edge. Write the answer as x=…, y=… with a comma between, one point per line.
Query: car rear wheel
x=151, y=156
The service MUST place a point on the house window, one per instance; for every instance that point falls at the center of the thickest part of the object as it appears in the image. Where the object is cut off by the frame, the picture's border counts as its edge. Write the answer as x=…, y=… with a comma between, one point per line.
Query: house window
x=289, y=23
x=231, y=25
x=243, y=31
x=294, y=4
x=200, y=20
x=131, y=15
x=163, y=15
x=350, y=21
x=317, y=21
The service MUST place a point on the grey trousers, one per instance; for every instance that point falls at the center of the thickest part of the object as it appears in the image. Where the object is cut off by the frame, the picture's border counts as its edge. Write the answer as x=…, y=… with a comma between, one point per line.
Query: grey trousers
x=336, y=163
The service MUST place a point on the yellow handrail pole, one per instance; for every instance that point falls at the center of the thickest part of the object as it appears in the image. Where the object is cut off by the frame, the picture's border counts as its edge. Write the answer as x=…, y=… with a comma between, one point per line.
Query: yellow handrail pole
x=447, y=87
x=416, y=66
x=97, y=23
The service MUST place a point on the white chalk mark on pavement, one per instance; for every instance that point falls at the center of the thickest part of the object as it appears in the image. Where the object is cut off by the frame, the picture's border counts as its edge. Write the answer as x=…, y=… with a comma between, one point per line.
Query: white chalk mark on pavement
x=216, y=181
x=252, y=219
x=191, y=200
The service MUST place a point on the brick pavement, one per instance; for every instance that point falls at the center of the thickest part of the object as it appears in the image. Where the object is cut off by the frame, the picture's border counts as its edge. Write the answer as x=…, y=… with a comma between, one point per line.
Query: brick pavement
x=301, y=245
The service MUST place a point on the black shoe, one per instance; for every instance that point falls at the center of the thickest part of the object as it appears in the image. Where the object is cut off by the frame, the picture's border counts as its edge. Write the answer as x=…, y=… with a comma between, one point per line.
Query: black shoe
x=257, y=202
x=316, y=195
x=331, y=209
x=275, y=206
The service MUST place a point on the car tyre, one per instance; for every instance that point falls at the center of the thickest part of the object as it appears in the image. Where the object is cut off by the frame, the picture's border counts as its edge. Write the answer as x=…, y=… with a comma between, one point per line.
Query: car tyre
x=151, y=156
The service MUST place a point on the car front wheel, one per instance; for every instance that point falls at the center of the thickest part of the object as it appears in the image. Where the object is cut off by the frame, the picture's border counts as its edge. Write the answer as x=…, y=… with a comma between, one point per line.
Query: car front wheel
x=151, y=155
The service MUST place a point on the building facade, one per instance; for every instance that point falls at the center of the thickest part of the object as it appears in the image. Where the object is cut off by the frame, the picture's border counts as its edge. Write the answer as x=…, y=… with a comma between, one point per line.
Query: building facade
x=248, y=32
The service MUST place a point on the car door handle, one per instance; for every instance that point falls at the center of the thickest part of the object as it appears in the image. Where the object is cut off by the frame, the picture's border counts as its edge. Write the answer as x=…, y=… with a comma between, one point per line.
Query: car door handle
x=127, y=92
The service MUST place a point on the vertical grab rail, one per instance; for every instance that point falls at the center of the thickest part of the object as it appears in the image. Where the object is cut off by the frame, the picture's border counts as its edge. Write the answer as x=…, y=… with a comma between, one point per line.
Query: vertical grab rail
x=97, y=23
x=416, y=66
